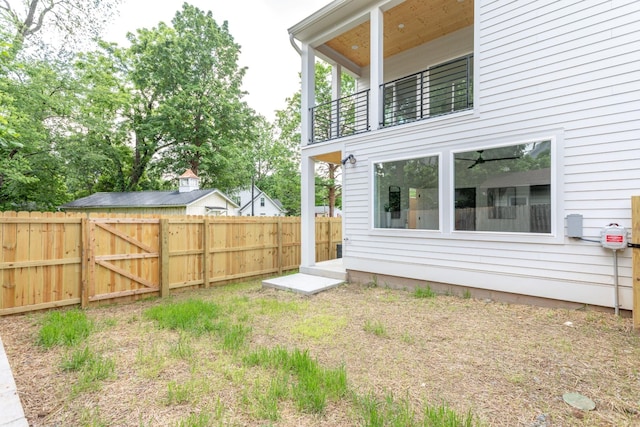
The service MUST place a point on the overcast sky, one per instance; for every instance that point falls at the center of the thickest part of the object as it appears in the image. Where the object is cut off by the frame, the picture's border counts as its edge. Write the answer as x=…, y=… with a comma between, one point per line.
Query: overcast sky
x=258, y=26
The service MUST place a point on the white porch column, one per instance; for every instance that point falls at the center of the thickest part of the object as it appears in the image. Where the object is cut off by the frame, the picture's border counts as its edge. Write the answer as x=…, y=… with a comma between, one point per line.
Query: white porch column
x=307, y=92
x=336, y=93
x=376, y=70
x=308, y=235
x=308, y=196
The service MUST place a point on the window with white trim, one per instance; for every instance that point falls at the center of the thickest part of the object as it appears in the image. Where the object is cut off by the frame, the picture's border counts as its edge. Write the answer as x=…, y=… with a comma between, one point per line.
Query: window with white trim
x=505, y=189
x=406, y=194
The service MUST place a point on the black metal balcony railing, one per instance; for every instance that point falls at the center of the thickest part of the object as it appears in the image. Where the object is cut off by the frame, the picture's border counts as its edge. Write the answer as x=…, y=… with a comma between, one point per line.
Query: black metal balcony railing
x=438, y=90
x=342, y=117
x=442, y=89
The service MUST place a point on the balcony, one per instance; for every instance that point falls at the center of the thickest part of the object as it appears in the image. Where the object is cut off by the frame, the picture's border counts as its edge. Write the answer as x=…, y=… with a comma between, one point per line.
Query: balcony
x=442, y=89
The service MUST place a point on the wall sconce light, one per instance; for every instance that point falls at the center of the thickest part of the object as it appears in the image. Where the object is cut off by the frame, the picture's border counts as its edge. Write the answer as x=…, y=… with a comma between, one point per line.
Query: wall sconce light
x=350, y=158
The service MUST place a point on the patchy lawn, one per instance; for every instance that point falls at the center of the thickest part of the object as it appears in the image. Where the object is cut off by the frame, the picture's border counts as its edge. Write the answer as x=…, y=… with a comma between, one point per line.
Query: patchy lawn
x=355, y=355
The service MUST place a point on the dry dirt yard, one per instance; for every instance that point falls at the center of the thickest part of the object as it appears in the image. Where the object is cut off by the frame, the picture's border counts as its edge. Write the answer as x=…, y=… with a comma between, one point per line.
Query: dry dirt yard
x=507, y=365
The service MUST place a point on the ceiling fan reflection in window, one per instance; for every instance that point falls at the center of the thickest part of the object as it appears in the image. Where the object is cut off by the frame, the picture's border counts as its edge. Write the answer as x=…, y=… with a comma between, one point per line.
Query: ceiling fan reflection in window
x=480, y=160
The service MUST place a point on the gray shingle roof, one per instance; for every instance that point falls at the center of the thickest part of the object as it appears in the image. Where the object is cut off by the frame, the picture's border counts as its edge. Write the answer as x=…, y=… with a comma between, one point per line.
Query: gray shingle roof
x=139, y=198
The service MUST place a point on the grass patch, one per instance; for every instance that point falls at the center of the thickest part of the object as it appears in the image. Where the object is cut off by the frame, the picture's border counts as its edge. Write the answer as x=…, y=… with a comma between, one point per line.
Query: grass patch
x=195, y=316
x=376, y=328
x=188, y=392
x=66, y=328
x=321, y=326
x=151, y=363
x=234, y=337
x=312, y=385
x=274, y=306
x=201, y=419
x=426, y=292
x=92, y=369
x=389, y=411
x=182, y=349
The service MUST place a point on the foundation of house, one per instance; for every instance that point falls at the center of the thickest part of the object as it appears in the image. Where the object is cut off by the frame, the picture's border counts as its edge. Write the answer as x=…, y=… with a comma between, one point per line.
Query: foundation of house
x=402, y=283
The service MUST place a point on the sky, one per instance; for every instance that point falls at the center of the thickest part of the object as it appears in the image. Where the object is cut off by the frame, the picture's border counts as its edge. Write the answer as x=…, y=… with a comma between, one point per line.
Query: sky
x=258, y=26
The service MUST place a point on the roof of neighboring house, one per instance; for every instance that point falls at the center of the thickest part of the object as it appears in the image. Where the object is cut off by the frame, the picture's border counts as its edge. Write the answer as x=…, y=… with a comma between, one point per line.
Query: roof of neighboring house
x=519, y=179
x=259, y=193
x=143, y=198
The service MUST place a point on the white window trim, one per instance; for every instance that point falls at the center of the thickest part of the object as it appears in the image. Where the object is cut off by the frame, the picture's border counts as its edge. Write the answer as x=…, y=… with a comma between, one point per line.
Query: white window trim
x=372, y=192
x=446, y=190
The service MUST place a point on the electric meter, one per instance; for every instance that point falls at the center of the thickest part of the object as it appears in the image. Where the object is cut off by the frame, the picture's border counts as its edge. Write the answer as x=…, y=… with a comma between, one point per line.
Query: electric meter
x=613, y=237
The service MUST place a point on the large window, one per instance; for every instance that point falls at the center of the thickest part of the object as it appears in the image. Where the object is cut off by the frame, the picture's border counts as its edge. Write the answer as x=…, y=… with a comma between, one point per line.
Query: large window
x=504, y=189
x=406, y=194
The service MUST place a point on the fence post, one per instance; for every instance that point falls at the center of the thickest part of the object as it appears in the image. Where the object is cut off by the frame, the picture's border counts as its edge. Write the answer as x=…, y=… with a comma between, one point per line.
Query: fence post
x=164, y=257
x=330, y=228
x=279, y=237
x=206, y=251
x=84, y=241
x=635, y=234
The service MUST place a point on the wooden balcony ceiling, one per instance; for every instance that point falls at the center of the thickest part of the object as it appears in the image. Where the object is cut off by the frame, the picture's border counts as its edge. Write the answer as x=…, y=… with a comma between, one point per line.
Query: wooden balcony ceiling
x=410, y=24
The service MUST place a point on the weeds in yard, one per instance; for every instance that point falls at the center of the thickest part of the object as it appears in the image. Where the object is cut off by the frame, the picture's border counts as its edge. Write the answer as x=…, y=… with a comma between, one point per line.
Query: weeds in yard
x=183, y=348
x=194, y=316
x=150, y=361
x=64, y=328
x=389, y=411
x=190, y=391
x=321, y=326
x=93, y=371
x=312, y=385
x=93, y=418
x=273, y=306
x=466, y=294
x=421, y=292
x=444, y=416
x=201, y=419
x=234, y=337
x=376, y=328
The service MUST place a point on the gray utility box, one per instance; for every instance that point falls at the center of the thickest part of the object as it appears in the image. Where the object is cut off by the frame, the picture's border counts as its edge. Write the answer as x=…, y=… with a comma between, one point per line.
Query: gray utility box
x=574, y=225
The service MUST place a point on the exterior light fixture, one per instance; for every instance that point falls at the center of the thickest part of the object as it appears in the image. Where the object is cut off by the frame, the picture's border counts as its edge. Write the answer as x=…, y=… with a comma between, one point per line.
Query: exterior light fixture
x=350, y=158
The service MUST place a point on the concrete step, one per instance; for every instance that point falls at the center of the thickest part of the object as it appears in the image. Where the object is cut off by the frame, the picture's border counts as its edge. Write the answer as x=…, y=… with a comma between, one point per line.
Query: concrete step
x=305, y=284
x=327, y=271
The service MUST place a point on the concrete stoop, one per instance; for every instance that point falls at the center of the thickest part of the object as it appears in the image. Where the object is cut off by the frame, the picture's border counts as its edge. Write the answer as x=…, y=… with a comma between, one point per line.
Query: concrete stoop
x=305, y=284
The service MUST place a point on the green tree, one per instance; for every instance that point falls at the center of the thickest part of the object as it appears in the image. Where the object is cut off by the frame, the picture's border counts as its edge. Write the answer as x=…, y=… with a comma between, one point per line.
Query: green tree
x=187, y=110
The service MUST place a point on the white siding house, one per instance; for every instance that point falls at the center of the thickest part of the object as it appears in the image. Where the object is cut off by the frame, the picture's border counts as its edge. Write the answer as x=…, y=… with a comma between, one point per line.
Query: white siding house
x=258, y=203
x=479, y=126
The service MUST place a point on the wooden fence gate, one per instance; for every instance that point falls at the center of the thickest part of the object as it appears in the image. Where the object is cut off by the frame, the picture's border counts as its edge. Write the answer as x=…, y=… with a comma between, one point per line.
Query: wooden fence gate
x=122, y=258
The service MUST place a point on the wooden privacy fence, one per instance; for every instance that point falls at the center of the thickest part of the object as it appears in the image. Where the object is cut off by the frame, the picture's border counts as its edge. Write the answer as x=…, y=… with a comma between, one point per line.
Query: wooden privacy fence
x=57, y=259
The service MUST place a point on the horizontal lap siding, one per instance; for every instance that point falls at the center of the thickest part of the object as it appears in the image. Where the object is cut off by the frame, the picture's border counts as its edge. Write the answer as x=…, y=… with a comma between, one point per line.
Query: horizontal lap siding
x=549, y=68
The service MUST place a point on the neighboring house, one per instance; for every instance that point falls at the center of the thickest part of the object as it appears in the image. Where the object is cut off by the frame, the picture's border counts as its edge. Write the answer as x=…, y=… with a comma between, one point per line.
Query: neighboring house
x=323, y=211
x=188, y=200
x=476, y=129
x=258, y=203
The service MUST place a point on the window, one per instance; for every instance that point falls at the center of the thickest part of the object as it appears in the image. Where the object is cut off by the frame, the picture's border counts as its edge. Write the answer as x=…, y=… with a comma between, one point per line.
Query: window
x=406, y=194
x=504, y=189
x=262, y=202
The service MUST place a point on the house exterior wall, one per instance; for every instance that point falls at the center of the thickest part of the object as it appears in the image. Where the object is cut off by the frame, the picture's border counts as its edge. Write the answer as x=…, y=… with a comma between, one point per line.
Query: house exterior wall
x=560, y=71
x=199, y=207
x=269, y=208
